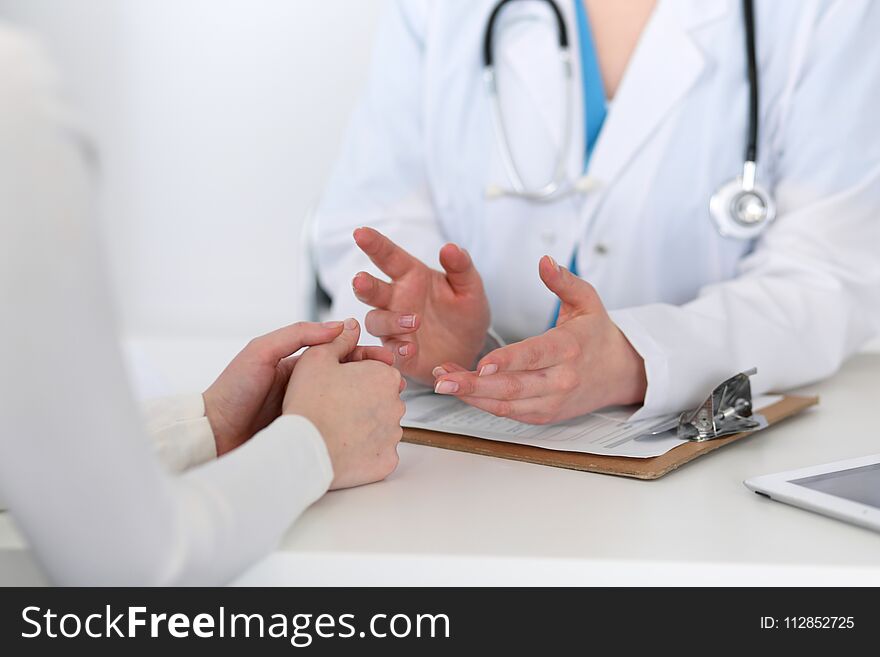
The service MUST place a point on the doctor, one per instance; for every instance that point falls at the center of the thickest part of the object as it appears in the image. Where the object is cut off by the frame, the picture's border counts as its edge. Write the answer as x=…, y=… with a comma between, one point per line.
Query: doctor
x=713, y=172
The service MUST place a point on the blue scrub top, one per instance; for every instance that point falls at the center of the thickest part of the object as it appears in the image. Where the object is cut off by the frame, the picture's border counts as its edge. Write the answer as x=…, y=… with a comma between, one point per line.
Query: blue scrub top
x=595, y=103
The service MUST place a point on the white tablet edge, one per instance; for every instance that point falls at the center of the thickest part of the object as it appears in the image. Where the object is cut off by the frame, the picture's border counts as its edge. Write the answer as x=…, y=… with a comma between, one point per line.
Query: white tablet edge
x=779, y=487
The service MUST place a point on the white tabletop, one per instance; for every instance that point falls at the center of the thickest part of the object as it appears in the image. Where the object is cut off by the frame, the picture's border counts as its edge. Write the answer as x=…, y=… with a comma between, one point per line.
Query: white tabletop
x=452, y=518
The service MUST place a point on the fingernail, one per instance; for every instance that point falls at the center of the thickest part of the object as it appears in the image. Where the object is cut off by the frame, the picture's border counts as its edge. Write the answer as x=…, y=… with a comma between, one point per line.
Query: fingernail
x=488, y=370
x=408, y=321
x=446, y=388
x=332, y=325
x=553, y=262
x=403, y=350
x=351, y=324
x=438, y=371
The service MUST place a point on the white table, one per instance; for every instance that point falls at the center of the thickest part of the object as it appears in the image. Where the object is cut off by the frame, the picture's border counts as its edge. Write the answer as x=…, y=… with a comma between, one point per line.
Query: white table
x=452, y=518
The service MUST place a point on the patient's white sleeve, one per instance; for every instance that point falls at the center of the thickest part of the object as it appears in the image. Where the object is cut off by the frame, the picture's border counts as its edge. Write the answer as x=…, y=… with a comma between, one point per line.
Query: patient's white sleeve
x=181, y=434
x=77, y=468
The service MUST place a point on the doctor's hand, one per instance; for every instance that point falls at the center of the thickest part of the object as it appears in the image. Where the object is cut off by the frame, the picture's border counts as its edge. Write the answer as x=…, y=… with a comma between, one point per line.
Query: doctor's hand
x=425, y=316
x=583, y=364
x=356, y=407
x=247, y=396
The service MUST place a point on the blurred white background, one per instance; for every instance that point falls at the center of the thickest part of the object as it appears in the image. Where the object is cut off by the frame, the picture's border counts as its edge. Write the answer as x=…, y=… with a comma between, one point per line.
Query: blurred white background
x=217, y=123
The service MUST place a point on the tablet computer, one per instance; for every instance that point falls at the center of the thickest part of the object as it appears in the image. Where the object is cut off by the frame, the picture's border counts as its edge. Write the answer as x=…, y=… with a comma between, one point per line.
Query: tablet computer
x=846, y=490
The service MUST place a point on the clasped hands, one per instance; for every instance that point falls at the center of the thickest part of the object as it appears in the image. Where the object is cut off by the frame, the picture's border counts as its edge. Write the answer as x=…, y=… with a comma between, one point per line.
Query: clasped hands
x=325, y=384
x=436, y=322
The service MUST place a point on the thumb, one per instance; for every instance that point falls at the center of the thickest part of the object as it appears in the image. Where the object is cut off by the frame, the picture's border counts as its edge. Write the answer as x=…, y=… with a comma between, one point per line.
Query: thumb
x=460, y=270
x=345, y=342
x=575, y=293
x=278, y=345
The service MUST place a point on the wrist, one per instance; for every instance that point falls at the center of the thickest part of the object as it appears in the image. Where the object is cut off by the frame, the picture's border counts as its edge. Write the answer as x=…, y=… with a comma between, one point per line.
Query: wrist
x=218, y=425
x=632, y=384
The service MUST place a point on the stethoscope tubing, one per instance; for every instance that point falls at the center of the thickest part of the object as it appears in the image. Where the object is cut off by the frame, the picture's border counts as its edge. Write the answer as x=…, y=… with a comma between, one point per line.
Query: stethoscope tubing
x=556, y=187
x=741, y=208
x=551, y=190
x=748, y=8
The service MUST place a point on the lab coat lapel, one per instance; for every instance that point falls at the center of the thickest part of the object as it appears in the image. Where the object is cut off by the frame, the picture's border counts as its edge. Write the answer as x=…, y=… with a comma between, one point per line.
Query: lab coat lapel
x=664, y=67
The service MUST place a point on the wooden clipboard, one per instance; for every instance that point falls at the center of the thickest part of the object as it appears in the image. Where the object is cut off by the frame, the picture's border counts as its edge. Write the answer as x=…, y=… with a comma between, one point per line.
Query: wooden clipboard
x=637, y=468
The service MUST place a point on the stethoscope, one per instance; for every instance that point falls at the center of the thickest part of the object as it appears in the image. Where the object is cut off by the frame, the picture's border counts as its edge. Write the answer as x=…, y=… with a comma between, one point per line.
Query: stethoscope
x=741, y=208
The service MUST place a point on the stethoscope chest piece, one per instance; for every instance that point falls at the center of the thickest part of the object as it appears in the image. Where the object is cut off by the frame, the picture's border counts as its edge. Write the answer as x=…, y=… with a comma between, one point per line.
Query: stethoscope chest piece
x=742, y=211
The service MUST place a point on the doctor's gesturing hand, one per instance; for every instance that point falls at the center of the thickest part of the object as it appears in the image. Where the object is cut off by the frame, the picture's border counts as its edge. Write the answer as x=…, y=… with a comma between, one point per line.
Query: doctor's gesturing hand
x=582, y=364
x=425, y=316
x=247, y=396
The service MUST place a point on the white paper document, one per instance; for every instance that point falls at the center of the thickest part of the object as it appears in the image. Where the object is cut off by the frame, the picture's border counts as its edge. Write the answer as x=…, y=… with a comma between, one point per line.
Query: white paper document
x=606, y=432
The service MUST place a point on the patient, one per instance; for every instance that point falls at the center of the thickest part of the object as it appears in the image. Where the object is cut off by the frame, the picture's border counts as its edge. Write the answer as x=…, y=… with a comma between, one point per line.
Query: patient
x=218, y=478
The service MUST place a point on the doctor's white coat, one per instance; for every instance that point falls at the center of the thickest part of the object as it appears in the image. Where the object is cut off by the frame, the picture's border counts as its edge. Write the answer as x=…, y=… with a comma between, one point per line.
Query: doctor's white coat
x=698, y=307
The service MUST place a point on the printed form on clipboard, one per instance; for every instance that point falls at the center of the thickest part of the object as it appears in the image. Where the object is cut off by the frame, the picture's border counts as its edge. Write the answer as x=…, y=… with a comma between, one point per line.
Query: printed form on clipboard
x=607, y=432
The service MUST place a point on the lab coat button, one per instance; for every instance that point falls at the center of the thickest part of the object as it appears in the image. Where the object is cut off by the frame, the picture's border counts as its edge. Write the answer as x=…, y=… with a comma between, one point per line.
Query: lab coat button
x=601, y=249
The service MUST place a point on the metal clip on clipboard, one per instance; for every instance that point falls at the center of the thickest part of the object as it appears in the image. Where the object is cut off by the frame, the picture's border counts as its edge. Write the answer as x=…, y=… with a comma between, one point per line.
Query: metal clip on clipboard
x=727, y=411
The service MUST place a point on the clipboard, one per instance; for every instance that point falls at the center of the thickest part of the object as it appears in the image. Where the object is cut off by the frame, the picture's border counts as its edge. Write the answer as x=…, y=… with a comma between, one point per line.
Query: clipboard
x=621, y=466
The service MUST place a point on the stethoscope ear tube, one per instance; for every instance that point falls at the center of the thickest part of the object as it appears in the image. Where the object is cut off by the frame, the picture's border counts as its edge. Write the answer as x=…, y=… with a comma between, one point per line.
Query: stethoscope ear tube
x=489, y=37
x=556, y=187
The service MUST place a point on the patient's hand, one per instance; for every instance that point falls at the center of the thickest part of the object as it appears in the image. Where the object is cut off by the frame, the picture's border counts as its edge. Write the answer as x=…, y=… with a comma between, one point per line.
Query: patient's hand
x=247, y=397
x=427, y=317
x=355, y=405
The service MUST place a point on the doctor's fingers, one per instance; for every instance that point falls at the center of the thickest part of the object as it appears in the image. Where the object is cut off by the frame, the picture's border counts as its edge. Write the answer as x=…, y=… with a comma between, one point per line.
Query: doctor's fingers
x=277, y=345
x=460, y=270
x=446, y=368
x=370, y=290
x=542, y=351
x=384, y=253
x=402, y=349
x=538, y=410
x=387, y=323
x=505, y=386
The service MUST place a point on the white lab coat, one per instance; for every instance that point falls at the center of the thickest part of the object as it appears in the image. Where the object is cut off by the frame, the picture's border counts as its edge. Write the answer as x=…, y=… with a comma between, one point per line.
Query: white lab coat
x=698, y=307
